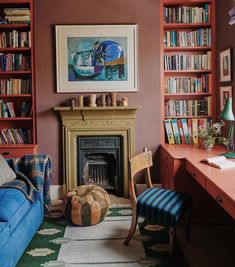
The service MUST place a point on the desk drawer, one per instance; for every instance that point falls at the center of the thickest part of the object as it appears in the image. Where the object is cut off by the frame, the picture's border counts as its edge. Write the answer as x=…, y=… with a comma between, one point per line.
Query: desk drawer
x=195, y=174
x=221, y=198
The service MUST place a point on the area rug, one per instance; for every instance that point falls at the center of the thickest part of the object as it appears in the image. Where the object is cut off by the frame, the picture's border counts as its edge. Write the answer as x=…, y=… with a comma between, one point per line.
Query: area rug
x=58, y=244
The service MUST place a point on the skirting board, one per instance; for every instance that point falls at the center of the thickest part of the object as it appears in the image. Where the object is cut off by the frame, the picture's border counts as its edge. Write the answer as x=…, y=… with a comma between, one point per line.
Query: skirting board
x=56, y=191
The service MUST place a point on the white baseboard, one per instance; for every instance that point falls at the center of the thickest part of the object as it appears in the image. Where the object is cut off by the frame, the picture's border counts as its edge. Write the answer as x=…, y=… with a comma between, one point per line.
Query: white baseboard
x=56, y=192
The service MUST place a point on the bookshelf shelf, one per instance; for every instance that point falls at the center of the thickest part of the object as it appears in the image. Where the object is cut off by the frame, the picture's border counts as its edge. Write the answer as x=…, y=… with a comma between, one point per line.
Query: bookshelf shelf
x=16, y=119
x=17, y=79
x=187, y=68
x=186, y=117
x=26, y=72
x=18, y=49
x=186, y=25
x=181, y=49
x=183, y=72
x=16, y=96
x=14, y=26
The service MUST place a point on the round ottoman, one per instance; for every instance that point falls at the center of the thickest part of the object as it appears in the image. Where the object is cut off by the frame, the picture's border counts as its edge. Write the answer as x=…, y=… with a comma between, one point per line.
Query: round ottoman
x=86, y=205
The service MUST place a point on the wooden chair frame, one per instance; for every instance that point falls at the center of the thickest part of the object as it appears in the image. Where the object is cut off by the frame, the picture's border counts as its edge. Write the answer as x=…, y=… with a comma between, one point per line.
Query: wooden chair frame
x=143, y=162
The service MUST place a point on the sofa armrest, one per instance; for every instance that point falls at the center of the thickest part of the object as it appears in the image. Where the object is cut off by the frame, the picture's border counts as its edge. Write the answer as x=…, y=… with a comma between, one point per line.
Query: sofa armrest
x=35, y=171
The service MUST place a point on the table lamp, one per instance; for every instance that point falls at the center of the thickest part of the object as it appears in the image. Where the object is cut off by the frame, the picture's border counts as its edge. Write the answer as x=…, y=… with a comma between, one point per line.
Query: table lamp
x=227, y=115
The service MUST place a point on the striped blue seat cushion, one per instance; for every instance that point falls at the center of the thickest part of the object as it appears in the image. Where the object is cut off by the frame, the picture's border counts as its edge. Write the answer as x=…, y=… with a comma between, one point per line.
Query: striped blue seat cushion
x=163, y=206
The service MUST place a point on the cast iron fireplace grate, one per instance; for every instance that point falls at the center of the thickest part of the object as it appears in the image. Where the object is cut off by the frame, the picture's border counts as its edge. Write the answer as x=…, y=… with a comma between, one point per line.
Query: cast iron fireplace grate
x=100, y=162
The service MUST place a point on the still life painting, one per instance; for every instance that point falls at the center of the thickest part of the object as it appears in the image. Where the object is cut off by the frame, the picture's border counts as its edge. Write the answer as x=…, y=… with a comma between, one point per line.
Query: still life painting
x=95, y=58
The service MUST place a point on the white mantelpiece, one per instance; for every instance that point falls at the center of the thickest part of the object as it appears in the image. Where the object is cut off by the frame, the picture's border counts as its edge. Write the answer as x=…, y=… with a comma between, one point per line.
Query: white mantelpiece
x=87, y=121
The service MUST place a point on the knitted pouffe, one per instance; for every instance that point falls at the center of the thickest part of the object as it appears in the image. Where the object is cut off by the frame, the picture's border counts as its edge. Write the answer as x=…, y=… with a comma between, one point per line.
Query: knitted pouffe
x=86, y=205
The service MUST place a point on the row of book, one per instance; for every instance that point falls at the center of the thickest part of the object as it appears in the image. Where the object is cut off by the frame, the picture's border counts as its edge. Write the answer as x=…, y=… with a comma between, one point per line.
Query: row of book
x=15, y=39
x=17, y=15
x=14, y=62
x=187, y=62
x=7, y=109
x=187, y=14
x=196, y=38
x=185, y=131
x=177, y=85
x=182, y=108
x=14, y=86
x=15, y=136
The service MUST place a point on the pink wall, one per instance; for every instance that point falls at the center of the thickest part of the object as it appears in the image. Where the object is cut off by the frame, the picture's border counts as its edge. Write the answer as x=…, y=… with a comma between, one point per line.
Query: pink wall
x=225, y=38
x=145, y=13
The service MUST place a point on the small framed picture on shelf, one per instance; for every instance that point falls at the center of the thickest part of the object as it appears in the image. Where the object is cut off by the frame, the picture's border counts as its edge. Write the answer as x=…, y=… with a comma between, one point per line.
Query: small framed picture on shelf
x=96, y=58
x=225, y=92
x=225, y=65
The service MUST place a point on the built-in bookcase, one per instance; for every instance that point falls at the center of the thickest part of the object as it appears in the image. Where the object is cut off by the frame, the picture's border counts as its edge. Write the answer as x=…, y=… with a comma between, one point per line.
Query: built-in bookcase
x=17, y=85
x=188, y=68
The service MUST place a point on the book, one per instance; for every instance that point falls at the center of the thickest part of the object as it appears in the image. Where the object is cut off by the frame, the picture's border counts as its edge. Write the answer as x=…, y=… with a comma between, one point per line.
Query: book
x=219, y=162
x=185, y=130
x=180, y=127
x=175, y=131
x=169, y=131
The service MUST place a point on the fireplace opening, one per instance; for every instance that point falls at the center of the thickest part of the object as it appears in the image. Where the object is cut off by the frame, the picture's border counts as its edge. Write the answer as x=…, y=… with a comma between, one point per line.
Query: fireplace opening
x=99, y=162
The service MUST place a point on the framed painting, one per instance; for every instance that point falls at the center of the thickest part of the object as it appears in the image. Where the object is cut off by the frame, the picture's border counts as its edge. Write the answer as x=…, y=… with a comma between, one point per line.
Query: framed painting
x=225, y=65
x=225, y=92
x=96, y=58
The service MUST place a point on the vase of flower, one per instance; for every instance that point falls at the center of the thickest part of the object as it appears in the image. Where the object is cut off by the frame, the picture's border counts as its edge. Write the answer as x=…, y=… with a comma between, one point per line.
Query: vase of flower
x=212, y=135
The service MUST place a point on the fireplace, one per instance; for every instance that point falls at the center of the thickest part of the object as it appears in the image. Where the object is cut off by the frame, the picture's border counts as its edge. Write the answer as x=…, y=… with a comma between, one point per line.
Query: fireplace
x=99, y=160
x=79, y=126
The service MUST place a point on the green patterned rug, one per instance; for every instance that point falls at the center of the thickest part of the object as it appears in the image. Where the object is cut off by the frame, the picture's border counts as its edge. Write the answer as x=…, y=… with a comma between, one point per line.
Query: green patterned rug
x=57, y=244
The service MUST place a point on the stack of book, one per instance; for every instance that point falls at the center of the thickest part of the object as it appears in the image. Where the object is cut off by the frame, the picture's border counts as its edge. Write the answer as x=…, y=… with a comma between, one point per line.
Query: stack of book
x=15, y=136
x=17, y=15
x=13, y=86
x=180, y=108
x=15, y=39
x=186, y=14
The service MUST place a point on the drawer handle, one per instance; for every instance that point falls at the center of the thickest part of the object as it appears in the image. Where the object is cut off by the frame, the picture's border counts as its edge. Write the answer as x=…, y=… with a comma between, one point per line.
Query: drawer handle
x=219, y=199
x=6, y=153
x=193, y=174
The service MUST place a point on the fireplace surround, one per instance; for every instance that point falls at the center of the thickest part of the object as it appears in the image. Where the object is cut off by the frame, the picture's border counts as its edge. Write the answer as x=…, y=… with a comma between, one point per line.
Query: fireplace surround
x=98, y=122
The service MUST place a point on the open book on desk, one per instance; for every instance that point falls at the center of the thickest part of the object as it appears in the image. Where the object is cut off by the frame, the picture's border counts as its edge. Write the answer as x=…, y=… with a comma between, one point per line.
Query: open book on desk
x=219, y=162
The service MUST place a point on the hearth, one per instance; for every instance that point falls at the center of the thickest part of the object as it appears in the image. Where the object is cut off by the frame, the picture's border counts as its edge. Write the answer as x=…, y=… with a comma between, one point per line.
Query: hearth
x=100, y=162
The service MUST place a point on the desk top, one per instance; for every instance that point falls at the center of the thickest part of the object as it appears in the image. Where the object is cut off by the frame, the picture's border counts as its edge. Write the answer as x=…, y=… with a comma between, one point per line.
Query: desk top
x=224, y=180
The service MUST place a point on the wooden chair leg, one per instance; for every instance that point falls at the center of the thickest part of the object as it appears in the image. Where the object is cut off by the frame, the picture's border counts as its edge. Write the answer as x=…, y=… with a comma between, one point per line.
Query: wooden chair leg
x=133, y=227
x=171, y=237
x=144, y=223
x=188, y=226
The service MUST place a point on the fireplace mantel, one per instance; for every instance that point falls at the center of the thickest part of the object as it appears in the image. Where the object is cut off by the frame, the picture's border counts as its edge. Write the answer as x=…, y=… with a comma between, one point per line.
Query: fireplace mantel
x=88, y=121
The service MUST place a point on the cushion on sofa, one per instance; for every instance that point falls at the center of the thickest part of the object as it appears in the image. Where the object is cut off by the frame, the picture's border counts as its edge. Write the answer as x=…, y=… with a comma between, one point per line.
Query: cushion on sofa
x=4, y=233
x=14, y=205
x=6, y=173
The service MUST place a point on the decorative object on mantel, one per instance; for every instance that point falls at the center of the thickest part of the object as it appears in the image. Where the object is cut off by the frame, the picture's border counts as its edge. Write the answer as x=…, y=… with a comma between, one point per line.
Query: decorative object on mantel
x=80, y=101
x=125, y=102
x=108, y=101
x=113, y=97
x=103, y=100
x=211, y=135
x=73, y=103
x=92, y=100
x=227, y=115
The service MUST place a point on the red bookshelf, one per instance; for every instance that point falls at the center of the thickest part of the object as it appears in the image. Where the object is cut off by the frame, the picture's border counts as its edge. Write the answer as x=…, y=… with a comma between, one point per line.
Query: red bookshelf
x=17, y=79
x=187, y=30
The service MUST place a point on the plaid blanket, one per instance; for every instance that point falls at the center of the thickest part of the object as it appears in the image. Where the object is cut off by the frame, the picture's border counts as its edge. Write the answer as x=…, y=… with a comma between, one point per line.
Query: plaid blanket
x=33, y=175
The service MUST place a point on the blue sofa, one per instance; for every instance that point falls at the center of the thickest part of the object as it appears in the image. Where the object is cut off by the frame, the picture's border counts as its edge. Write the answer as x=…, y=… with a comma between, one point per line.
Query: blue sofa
x=22, y=205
